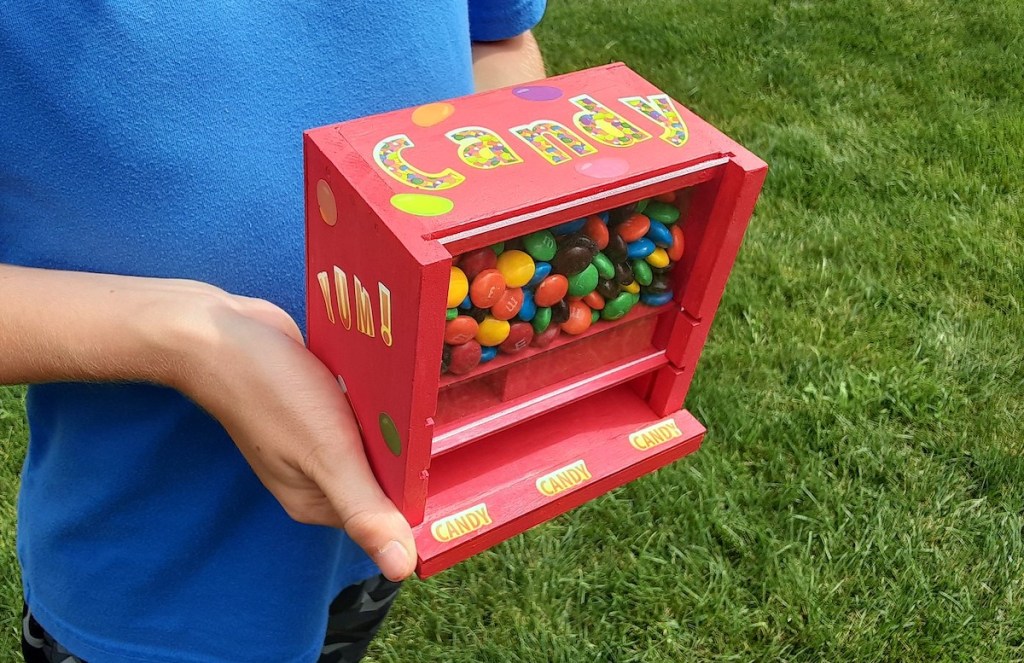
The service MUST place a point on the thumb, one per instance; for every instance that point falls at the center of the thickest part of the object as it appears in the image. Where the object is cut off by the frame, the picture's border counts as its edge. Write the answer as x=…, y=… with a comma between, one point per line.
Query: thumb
x=364, y=511
x=380, y=530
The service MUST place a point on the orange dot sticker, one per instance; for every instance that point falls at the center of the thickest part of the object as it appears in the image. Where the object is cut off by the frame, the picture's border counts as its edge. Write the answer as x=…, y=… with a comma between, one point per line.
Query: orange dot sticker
x=326, y=202
x=422, y=204
x=431, y=114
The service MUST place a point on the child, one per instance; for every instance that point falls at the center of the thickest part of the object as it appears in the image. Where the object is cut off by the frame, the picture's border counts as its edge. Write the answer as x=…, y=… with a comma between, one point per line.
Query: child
x=195, y=487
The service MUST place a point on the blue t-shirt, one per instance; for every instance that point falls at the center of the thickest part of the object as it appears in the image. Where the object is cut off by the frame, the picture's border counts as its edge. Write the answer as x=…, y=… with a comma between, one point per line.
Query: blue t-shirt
x=165, y=139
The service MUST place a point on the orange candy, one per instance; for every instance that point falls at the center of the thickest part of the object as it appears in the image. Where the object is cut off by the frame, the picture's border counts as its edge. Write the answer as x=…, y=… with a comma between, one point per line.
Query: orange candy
x=596, y=230
x=551, y=290
x=579, y=320
x=669, y=197
x=487, y=288
x=594, y=300
x=633, y=228
x=675, y=252
x=508, y=306
x=460, y=330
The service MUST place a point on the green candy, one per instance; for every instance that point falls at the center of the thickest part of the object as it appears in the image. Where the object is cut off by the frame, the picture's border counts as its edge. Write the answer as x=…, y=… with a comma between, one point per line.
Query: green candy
x=605, y=267
x=498, y=248
x=663, y=212
x=595, y=315
x=642, y=272
x=583, y=283
x=541, y=245
x=641, y=205
x=618, y=307
x=451, y=314
x=542, y=319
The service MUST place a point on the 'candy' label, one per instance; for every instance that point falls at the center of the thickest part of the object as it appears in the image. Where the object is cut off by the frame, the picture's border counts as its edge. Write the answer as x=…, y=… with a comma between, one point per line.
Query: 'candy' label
x=563, y=479
x=652, y=436
x=461, y=523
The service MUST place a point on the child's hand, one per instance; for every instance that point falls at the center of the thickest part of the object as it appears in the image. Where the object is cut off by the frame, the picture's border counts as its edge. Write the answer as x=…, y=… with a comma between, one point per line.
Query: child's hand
x=241, y=359
x=246, y=364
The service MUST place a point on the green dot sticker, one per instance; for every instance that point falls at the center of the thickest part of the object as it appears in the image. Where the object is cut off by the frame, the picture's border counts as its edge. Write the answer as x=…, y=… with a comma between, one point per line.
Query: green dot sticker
x=390, y=433
x=422, y=204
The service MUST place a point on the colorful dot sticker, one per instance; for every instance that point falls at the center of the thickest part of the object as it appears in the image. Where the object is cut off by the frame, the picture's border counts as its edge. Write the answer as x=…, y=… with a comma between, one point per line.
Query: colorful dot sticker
x=431, y=114
x=537, y=92
x=422, y=204
x=604, y=168
x=389, y=432
x=328, y=205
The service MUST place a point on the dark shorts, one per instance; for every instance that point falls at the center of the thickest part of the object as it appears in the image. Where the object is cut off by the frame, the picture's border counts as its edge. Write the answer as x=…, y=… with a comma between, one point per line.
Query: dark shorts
x=355, y=616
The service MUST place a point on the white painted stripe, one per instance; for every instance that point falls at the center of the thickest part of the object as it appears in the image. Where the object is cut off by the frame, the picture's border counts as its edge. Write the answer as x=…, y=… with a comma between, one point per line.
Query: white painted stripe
x=472, y=232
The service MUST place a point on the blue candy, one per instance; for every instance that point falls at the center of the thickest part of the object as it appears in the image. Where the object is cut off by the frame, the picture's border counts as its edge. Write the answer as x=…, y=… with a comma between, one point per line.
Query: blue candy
x=541, y=270
x=660, y=234
x=529, y=307
x=641, y=248
x=570, y=227
x=487, y=353
x=605, y=217
x=656, y=299
x=466, y=304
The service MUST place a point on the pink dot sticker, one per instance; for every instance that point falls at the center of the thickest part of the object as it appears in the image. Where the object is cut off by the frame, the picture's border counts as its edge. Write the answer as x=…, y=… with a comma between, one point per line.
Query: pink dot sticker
x=537, y=92
x=326, y=202
x=605, y=168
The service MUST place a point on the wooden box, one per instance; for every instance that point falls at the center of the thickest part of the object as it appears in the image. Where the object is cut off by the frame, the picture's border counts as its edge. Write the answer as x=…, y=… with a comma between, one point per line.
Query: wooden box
x=395, y=200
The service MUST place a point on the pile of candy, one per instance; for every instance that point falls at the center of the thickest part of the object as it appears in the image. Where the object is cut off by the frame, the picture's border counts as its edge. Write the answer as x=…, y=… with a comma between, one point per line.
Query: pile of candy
x=562, y=280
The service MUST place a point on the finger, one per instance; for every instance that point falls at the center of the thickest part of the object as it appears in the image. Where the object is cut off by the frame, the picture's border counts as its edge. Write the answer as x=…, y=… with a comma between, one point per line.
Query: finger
x=365, y=512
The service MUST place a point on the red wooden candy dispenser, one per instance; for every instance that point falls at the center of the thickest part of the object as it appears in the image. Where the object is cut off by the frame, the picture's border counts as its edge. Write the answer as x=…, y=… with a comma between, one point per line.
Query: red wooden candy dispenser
x=514, y=289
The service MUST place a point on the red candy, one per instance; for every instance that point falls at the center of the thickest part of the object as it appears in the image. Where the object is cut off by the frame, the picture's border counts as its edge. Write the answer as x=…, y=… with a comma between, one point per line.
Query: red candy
x=477, y=261
x=487, y=288
x=633, y=228
x=675, y=252
x=579, y=318
x=464, y=358
x=545, y=338
x=669, y=197
x=519, y=336
x=460, y=330
x=551, y=290
x=595, y=229
x=508, y=306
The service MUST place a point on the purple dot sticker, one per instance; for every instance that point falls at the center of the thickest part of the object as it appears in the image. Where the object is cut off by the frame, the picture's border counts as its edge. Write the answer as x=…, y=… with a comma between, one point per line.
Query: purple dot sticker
x=603, y=169
x=537, y=92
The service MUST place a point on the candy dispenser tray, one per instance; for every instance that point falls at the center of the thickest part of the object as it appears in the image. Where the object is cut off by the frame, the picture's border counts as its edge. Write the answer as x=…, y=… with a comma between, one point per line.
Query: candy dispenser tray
x=543, y=401
x=497, y=485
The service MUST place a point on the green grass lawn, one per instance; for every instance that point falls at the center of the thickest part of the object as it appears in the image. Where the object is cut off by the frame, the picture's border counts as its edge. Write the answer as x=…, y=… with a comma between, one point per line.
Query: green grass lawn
x=860, y=492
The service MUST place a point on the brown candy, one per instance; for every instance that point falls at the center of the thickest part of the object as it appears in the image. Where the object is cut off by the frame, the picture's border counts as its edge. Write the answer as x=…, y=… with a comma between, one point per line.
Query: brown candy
x=559, y=312
x=608, y=289
x=620, y=214
x=616, y=249
x=624, y=273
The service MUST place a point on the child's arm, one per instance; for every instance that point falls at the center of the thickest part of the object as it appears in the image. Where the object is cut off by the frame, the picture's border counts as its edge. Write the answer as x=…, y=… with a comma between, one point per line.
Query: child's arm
x=241, y=359
x=508, y=62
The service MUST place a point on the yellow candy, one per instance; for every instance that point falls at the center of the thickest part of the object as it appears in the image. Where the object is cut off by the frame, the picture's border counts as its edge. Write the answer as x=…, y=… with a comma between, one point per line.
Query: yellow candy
x=633, y=288
x=517, y=267
x=492, y=331
x=659, y=258
x=458, y=287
